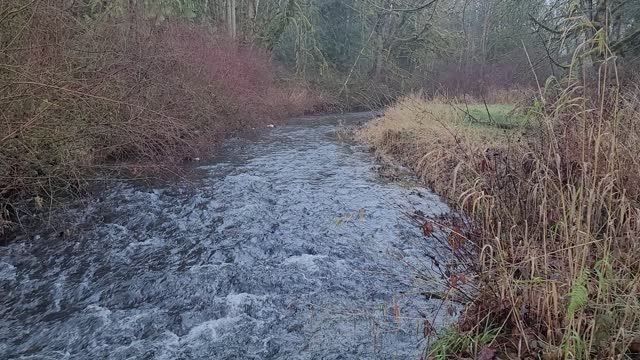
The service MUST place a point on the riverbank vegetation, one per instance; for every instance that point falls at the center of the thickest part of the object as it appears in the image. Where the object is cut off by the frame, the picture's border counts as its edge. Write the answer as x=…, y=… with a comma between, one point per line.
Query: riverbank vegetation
x=93, y=88
x=554, y=204
x=524, y=114
x=90, y=87
x=553, y=201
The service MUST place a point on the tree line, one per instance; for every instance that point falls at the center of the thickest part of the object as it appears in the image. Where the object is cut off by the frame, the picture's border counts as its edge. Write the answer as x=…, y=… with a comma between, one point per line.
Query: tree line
x=399, y=45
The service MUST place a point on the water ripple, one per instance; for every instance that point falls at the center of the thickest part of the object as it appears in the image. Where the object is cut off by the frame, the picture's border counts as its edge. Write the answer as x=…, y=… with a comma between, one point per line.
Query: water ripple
x=282, y=250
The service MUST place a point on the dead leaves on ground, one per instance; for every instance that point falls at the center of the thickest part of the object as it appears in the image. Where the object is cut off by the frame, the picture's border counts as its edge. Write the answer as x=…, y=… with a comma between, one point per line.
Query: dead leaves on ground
x=486, y=353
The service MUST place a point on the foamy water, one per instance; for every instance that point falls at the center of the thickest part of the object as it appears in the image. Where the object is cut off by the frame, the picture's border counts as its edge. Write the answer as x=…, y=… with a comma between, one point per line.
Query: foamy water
x=288, y=246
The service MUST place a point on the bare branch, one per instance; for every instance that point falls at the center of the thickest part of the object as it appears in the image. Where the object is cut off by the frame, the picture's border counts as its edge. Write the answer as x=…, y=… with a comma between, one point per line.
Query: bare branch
x=415, y=9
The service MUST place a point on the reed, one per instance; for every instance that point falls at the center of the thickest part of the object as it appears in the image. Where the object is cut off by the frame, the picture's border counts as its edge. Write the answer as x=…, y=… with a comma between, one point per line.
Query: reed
x=554, y=209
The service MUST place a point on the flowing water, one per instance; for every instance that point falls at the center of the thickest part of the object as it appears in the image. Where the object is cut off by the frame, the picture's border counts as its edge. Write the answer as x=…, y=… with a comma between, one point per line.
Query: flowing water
x=288, y=246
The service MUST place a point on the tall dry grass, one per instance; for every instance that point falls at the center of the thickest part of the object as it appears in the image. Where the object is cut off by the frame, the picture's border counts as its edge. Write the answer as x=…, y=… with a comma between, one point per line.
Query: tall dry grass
x=555, y=219
x=81, y=95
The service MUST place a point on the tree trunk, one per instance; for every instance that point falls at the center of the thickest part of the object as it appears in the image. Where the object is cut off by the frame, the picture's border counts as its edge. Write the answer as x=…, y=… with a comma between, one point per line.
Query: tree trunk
x=250, y=28
x=231, y=18
x=383, y=26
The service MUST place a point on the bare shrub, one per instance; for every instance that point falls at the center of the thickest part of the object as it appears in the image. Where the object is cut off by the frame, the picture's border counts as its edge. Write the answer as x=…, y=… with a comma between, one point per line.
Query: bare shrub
x=81, y=95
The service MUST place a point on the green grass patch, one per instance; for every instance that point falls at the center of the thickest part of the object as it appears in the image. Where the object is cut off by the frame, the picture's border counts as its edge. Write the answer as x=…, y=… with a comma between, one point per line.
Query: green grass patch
x=494, y=120
x=451, y=343
x=497, y=115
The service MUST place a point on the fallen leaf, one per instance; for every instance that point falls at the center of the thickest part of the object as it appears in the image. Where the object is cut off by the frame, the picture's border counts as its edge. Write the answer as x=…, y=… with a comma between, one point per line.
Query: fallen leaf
x=462, y=277
x=486, y=353
x=427, y=228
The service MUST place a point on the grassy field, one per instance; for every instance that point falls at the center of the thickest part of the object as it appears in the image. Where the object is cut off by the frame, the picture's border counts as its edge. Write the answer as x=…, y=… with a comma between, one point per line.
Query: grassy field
x=493, y=115
x=417, y=115
x=433, y=136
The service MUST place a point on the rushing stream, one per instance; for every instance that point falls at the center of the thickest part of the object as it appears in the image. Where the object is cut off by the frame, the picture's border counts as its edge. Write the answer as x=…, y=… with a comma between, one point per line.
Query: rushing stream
x=288, y=246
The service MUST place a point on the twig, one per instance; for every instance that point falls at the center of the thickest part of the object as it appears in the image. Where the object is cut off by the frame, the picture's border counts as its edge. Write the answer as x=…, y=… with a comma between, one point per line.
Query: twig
x=11, y=13
x=81, y=94
x=346, y=81
x=487, y=108
x=418, y=8
x=25, y=125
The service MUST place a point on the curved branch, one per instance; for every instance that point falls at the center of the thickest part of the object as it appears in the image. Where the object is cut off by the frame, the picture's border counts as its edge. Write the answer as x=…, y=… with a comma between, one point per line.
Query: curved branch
x=9, y=13
x=535, y=21
x=419, y=8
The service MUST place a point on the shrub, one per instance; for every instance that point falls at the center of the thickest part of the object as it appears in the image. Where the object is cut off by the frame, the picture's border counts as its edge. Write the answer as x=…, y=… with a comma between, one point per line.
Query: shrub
x=81, y=95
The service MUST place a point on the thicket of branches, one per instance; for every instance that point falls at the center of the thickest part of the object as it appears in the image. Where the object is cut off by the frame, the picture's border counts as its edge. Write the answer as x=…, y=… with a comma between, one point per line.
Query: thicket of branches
x=94, y=87
x=371, y=51
x=374, y=50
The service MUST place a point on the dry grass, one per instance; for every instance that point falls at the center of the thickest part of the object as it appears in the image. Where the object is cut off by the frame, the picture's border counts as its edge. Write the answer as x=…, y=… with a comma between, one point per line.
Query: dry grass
x=433, y=136
x=555, y=218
